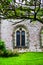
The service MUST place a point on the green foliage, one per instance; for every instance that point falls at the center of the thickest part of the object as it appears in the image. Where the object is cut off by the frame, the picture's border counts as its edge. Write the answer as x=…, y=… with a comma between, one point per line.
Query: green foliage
x=8, y=53
x=40, y=13
x=10, y=0
x=2, y=45
x=34, y=22
x=11, y=9
x=1, y=52
x=42, y=32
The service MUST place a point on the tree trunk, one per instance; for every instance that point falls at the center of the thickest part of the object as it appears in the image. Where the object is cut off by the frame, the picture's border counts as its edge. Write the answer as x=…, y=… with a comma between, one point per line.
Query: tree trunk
x=35, y=16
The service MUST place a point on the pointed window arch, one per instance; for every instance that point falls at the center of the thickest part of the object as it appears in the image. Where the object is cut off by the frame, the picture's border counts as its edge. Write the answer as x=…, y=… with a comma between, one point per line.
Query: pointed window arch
x=20, y=38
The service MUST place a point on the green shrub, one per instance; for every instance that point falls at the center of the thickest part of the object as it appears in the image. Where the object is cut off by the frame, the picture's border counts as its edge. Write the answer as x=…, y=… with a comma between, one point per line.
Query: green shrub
x=2, y=45
x=4, y=52
x=1, y=52
x=9, y=53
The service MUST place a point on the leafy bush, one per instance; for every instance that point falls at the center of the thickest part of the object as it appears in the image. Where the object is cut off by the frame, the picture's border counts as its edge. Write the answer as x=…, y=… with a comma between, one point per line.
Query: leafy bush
x=9, y=53
x=1, y=52
x=2, y=45
x=6, y=53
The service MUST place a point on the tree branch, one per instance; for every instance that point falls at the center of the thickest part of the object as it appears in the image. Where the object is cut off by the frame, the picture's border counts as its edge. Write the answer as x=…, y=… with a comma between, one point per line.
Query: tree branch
x=18, y=22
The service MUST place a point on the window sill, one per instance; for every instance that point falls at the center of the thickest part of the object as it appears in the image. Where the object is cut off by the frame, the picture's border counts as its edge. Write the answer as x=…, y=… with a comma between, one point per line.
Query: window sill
x=21, y=47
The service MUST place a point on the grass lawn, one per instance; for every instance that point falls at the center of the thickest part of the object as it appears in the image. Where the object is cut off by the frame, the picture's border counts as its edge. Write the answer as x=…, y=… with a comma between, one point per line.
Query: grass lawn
x=28, y=58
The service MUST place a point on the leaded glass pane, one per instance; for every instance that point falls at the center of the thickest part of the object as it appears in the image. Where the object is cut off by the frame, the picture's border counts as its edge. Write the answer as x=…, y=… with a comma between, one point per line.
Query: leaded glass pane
x=23, y=38
x=18, y=38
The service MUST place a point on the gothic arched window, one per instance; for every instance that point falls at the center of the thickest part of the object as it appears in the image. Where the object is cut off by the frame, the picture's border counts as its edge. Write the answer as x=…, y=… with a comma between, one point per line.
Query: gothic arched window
x=20, y=38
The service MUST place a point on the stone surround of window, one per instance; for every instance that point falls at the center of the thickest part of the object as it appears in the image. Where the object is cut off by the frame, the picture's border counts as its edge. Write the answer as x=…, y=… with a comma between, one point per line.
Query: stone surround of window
x=20, y=28
x=41, y=37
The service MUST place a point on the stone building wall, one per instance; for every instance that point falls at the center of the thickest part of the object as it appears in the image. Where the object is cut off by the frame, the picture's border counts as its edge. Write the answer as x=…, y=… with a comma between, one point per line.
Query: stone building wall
x=7, y=29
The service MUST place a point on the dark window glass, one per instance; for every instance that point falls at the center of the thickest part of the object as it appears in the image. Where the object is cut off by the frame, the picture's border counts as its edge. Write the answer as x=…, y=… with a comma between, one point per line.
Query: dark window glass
x=18, y=38
x=23, y=38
